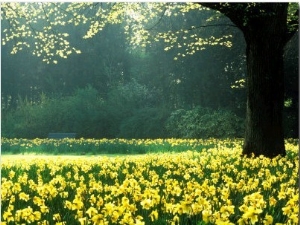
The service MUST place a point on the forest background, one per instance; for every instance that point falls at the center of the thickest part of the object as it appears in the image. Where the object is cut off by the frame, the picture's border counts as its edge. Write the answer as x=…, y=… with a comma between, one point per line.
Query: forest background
x=114, y=89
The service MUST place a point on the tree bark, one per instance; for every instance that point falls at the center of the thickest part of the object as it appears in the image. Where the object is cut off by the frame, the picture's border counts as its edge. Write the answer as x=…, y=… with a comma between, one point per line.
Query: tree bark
x=265, y=98
x=265, y=38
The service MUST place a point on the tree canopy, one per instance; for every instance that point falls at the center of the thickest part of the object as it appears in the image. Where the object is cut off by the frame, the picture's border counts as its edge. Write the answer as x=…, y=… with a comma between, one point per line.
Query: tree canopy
x=42, y=26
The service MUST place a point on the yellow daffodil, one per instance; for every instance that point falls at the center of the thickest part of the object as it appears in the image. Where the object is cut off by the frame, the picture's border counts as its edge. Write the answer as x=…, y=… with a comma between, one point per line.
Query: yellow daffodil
x=268, y=220
x=146, y=203
x=91, y=212
x=37, y=215
x=56, y=217
x=82, y=220
x=44, y=222
x=287, y=210
x=153, y=215
x=252, y=214
x=11, y=174
x=77, y=204
x=138, y=220
x=8, y=216
x=44, y=209
x=272, y=201
x=23, y=196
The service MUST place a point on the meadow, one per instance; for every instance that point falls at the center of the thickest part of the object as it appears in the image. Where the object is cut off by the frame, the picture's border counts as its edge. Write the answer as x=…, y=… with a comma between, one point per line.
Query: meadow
x=109, y=146
x=173, y=181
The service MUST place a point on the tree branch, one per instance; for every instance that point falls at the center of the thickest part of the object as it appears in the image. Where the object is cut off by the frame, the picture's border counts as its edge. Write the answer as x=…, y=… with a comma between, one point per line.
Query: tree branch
x=159, y=20
x=293, y=25
x=212, y=25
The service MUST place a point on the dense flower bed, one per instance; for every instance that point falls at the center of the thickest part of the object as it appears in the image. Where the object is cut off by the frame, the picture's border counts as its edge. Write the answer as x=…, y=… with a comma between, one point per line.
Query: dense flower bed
x=214, y=186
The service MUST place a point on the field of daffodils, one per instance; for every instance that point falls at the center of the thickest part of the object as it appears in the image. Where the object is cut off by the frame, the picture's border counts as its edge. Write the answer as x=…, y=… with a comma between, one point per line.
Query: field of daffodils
x=212, y=186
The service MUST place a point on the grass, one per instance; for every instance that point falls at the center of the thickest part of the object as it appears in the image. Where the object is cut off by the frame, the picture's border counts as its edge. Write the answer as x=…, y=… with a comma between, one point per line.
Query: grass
x=109, y=146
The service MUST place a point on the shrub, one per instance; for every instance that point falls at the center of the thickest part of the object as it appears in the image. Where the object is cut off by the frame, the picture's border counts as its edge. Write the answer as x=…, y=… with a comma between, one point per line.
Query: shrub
x=145, y=123
x=204, y=123
x=81, y=113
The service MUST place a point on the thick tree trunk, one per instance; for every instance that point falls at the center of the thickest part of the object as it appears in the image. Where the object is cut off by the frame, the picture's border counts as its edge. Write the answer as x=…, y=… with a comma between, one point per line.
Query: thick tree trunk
x=265, y=87
x=264, y=128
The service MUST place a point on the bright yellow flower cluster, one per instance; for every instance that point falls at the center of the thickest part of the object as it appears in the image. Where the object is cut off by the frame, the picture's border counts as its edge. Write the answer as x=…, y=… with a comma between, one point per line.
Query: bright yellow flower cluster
x=214, y=186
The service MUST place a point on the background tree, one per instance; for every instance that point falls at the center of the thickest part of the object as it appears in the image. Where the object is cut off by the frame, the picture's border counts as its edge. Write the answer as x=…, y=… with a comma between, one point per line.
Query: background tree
x=291, y=80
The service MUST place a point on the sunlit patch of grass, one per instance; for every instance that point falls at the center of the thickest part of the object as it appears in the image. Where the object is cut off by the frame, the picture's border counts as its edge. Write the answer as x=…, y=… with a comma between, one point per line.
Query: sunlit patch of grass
x=211, y=186
x=109, y=146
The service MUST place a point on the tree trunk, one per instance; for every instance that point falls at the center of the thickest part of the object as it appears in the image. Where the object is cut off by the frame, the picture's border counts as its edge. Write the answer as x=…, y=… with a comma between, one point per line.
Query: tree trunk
x=264, y=26
x=265, y=86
